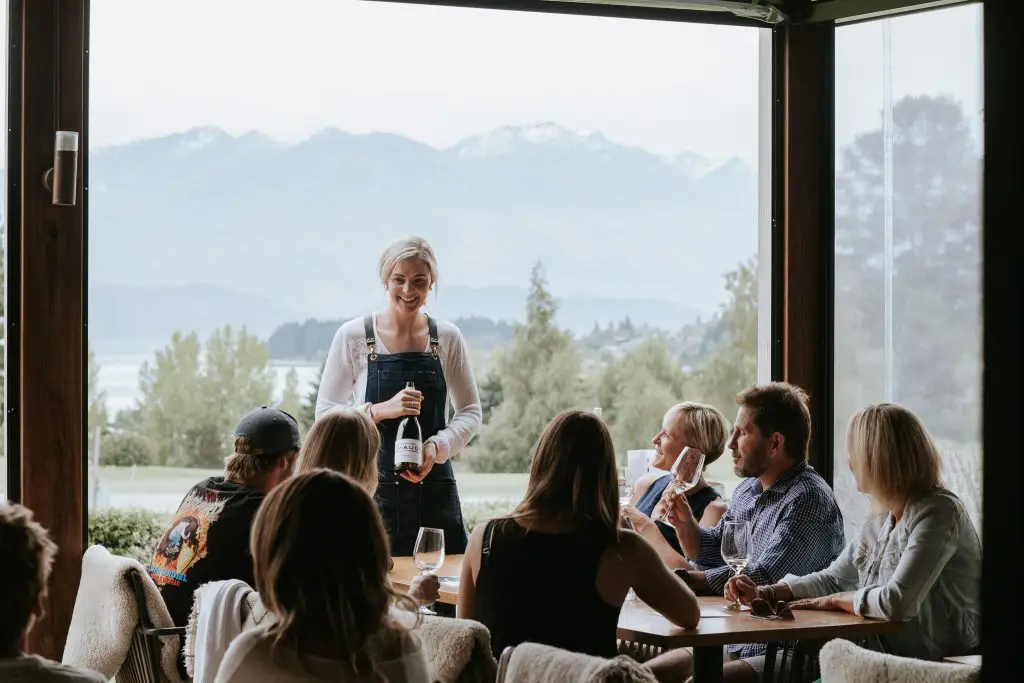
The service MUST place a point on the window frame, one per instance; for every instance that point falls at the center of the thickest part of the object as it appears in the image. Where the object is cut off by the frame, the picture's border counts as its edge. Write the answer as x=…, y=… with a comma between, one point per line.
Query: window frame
x=593, y=9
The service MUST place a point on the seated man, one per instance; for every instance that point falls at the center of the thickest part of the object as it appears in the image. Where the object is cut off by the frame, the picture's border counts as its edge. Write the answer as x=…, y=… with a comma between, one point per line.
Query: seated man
x=796, y=525
x=26, y=556
x=208, y=538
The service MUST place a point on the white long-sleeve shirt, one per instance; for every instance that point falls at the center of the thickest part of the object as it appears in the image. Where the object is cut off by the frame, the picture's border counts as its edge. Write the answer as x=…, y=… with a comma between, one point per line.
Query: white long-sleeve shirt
x=344, y=382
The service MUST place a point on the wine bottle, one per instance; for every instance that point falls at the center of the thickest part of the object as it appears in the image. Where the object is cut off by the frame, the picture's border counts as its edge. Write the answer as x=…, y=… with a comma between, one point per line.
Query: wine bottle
x=409, y=443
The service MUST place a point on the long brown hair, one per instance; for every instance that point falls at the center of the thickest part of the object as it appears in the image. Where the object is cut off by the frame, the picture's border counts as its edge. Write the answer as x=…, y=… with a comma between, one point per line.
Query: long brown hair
x=321, y=555
x=344, y=440
x=573, y=478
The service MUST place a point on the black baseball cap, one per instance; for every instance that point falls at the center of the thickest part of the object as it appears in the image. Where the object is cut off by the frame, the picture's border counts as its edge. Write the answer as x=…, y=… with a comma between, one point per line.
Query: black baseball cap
x=267, y=431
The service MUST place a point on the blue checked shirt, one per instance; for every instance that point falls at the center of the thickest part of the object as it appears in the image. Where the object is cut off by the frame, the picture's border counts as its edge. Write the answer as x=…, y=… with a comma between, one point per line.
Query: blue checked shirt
x=796, y=528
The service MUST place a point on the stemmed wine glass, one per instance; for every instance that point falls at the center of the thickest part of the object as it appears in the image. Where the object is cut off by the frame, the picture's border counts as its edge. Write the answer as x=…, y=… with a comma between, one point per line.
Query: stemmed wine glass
x=625, y=487
x=428, y=554
x=736, y=550
x=686, y=472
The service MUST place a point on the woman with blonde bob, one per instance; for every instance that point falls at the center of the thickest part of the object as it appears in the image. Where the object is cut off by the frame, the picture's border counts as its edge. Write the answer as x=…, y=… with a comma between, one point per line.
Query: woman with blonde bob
x=562, y=552
x=346, y=441
x=687, y=424
x=397, y=363
x=321, y=560
x=918, y=558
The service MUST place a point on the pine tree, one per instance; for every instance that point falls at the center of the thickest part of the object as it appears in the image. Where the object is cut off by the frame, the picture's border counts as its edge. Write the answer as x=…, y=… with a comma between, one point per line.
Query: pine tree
x=539, y=376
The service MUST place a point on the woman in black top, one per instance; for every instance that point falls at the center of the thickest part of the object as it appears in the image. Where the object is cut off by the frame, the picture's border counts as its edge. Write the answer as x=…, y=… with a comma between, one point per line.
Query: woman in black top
x=562, y=553
x=696, y=425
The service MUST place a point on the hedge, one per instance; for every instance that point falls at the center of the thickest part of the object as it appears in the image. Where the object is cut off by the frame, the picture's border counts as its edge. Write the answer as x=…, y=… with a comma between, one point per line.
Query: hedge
x=134, y=533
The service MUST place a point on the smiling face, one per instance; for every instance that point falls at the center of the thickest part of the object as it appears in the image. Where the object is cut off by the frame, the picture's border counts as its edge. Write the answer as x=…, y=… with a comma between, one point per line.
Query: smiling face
x=670, y=441
x=408, y=286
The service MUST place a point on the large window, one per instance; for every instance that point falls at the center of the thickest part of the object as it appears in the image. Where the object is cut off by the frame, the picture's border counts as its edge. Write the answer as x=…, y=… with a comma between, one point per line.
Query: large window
x=593, y=203
x=908, y=235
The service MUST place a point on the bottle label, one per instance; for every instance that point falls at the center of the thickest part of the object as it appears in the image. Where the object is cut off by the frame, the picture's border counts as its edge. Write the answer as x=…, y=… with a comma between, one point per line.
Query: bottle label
x=408, y=451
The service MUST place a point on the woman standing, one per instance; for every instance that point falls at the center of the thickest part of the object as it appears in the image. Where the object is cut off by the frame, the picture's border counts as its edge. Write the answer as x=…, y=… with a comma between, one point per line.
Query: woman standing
x=373, y=360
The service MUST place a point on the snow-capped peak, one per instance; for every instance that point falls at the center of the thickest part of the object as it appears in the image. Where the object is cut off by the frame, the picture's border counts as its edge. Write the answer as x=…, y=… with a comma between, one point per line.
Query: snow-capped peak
x=199, y=138
x=508, y=138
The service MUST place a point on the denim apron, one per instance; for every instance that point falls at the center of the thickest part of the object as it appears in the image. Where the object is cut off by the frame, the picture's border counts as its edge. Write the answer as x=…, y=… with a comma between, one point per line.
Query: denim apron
x=434, y=502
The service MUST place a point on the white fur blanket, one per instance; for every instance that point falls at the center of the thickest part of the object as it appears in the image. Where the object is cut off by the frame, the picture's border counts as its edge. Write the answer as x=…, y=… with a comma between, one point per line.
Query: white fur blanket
x=458, y=650
x=533, y=663
x=843, y=662
x=106, y=614
x=221, y=610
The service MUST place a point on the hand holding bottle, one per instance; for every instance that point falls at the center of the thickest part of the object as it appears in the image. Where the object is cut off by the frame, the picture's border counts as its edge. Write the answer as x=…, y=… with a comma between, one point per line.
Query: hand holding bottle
x=429, y=459
x=405, y=402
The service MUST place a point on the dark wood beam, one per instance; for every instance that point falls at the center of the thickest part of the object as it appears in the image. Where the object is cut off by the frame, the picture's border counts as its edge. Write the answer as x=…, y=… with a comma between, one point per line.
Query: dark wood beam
x=1003, y=302
x=52, y=287
x=805, y=222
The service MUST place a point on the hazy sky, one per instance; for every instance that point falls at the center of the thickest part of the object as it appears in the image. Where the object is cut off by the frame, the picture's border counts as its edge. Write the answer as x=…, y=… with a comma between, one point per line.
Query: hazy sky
x=439, y=74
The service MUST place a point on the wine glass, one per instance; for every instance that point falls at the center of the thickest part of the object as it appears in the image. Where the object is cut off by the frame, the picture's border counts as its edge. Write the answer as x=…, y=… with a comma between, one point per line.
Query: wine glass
x=428, y=554
x=625, y=487
x=736, y=550
x=686, y=472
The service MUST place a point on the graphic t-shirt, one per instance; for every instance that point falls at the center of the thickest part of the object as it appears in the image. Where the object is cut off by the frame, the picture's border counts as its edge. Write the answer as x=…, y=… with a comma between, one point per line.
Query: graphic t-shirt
x=208, y=540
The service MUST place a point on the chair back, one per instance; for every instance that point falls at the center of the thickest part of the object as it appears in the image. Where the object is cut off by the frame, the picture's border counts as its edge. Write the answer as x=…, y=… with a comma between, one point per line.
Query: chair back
x=142, y=664
x=503, y=663
x=844, y=662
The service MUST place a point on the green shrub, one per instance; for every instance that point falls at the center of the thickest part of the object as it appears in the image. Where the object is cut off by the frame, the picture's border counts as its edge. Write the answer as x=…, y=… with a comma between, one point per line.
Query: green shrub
x=474, y=513
x=124, y=449
x=130, y=533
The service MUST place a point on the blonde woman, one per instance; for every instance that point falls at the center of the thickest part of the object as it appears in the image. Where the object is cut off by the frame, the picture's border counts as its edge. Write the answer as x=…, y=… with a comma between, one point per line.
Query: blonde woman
x=561, y=552
x=321, y=558
x=346, y=441
x=696, y=425
x=918, y=558
x=371, y=362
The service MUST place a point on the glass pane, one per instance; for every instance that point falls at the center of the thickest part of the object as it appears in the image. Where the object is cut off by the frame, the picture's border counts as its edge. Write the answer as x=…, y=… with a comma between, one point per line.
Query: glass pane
x=908, y=235
x=257, y=186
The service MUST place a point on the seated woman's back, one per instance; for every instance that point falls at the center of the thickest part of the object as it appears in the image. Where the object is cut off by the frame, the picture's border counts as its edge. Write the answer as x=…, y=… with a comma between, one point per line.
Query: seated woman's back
x=252, y=658
x=320, y=555
x=556, y=571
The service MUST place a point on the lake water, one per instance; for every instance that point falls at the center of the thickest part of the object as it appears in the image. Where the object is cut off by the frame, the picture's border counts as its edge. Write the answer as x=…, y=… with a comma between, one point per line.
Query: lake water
x=119, y=378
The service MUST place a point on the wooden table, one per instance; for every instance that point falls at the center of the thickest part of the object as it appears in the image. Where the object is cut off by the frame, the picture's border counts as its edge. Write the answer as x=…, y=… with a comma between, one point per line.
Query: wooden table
x=639, y=623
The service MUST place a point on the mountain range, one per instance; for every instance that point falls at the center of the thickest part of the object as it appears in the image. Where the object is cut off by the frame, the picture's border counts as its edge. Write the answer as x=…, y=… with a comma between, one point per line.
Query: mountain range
x=202, y=227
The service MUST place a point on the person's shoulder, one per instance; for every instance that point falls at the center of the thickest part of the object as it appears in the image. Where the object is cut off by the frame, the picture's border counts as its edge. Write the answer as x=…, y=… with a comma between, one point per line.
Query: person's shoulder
x=46, y=671
x=447, y=330
x=630, y=545
x=352, y=328
x=645, y=482
x=939, y=503
x=242, y=654
x=810, y=484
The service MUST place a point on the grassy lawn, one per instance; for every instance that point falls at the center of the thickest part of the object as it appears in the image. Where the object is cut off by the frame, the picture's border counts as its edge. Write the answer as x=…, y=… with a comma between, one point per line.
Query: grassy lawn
x=161, y=481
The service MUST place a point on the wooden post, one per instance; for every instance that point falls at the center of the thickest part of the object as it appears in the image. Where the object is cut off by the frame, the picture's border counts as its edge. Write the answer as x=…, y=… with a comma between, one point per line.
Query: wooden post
x=52, y=288
x=804, y=215
x=1003, y=297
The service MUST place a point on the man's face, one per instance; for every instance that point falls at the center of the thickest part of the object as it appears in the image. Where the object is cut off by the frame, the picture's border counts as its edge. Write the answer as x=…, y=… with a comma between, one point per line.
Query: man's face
x=751, y=450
